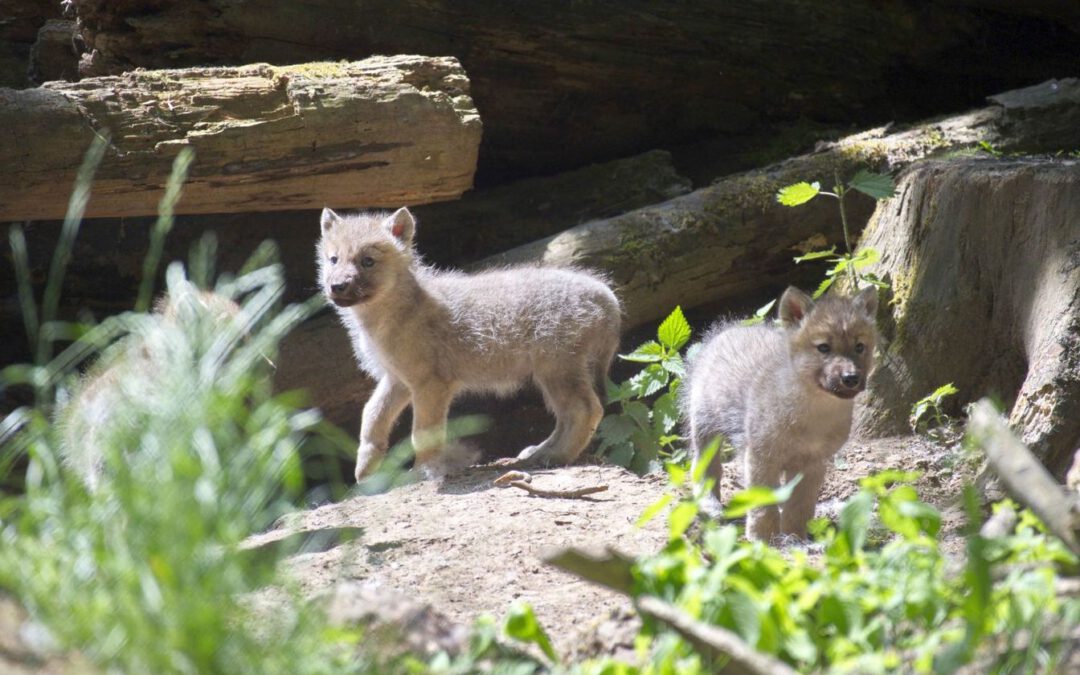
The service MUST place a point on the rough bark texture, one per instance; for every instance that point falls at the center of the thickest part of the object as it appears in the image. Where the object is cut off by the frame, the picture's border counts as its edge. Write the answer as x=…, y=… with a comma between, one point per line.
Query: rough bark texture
x=984, y=260
x=53, y=55
x=732, y=238
x=19, y=24
x=564, y=82
x=384, y=131
x=484, y=222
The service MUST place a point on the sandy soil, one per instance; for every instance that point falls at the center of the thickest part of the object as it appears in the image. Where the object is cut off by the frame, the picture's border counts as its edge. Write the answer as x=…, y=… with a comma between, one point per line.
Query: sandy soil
x=466, y=547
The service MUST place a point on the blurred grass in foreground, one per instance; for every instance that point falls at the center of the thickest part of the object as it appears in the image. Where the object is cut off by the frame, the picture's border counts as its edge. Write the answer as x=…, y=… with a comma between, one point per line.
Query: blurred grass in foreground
x=139, y=568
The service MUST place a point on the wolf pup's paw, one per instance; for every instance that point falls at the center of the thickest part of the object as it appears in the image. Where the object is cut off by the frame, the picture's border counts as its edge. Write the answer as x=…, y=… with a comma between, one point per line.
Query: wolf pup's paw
x=368, y=458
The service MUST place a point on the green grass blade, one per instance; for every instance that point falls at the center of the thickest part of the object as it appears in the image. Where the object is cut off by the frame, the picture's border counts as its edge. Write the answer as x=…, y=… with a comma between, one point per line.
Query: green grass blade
x=80, y=196
x=163, y=226
x=22, y=278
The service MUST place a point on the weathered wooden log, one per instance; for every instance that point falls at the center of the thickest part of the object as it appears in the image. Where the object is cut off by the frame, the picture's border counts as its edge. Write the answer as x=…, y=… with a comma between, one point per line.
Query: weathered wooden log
x=53, y=55
x=20, y=21
x=563, y=83
x=984, y=262
x=733, y=239
x=487, y=221
x=384, y=131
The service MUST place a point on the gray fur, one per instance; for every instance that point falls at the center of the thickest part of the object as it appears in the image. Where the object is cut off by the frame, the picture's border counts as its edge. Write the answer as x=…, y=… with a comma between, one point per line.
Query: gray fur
x=428, y=335
x=774, y=396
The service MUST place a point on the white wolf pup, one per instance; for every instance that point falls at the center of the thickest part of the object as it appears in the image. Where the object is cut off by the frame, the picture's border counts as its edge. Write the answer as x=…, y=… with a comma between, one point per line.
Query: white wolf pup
x=783, y=396
x=428, y=335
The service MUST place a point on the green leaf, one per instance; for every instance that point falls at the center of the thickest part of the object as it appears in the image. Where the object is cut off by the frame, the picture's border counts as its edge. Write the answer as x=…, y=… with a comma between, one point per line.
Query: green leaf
x=674, y=332
x=617, y=392
x=799, y=193
x=653, y=509
x=521, y=624
x=622, y=454
x=615, y=429
x=680, y=518
x=638, y=412
x=649, y=352
x=815, y=255
x=650, y=380
x=665, y=414
x=705, y=458
x=865, y=257
x=757, y=496
x=674, y=364
x=876, y=185
x=759, y=315
x=823, y=286
x=855, y=520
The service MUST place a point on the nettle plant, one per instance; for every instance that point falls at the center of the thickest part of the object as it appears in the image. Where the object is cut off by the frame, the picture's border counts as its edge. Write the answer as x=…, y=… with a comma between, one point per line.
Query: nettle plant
x=928, y=413
x=644, y=430
x=881, y=595
x=876, y=185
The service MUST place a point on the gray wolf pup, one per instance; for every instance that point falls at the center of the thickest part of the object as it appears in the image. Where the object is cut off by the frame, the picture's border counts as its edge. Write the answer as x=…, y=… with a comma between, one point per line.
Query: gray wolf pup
x=782, y=395
x=427, y=335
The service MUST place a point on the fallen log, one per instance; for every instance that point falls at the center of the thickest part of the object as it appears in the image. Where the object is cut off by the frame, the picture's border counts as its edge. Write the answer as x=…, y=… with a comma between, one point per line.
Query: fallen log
x=384, y=131
x=733, y=239
x=20, y=21
x=565, y=83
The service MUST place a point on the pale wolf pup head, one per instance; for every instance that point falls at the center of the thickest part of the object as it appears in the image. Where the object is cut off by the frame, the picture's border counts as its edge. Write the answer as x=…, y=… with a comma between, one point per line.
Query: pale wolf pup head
x=362, y=255
x=833, y=339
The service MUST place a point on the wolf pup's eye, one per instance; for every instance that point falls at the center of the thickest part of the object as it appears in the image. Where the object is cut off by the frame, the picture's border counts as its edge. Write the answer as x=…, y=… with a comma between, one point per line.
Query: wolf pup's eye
x=333, y=260
x=824, y=348
x=367, y=261
x=860, y=348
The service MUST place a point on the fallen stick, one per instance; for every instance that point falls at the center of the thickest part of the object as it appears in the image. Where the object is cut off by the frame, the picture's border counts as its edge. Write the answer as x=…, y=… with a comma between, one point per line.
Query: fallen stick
x=717, y=642
x=521, y=480
x=1024, y=476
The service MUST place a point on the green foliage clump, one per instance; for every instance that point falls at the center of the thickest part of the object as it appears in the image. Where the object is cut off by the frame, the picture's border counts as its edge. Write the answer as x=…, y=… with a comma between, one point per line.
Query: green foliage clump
x=928, y=413
x=640, y=434
x=878, y=186
x=876, y=593
x=142, y=570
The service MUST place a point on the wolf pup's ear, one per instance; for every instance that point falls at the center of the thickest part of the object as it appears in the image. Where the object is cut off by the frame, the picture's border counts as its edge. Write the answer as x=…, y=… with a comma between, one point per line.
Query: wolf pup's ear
x=401, y=225
x=866, y=301
x=328, y=220
x=794, y=306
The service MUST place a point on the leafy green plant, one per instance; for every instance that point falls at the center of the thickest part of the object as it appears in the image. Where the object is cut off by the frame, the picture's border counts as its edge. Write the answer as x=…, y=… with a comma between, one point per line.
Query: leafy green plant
x=641, y=433
x=145, y=571
x=878, y=186
x=927, y=413
x=881, y=597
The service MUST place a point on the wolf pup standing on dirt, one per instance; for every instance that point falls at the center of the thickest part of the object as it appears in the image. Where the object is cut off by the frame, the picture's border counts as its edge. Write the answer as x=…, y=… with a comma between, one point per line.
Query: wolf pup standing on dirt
x=428, y=335
x=783, y=396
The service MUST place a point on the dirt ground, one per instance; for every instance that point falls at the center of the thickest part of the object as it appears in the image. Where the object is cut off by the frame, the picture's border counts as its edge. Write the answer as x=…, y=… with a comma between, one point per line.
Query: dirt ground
x=466, y=547
x=428, y=558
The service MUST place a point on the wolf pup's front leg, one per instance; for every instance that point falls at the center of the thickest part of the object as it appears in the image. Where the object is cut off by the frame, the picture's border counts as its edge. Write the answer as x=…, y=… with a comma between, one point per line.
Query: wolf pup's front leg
x=380, y=412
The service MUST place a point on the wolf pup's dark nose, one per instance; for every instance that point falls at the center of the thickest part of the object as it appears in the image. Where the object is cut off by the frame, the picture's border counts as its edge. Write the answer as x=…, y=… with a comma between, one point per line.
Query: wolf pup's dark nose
x=337, y=288
x=850, y=381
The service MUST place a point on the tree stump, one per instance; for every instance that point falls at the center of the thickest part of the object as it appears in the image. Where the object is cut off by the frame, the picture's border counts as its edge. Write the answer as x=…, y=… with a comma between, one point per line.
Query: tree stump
x=984, y=260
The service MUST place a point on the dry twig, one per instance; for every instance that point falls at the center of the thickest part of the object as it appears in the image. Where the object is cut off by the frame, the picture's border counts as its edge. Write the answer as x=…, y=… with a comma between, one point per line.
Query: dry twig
x=521, y=480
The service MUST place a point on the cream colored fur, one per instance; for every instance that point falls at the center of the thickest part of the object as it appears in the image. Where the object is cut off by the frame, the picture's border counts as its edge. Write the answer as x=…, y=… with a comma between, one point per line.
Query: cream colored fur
x=428, y=335
x=784, y=396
